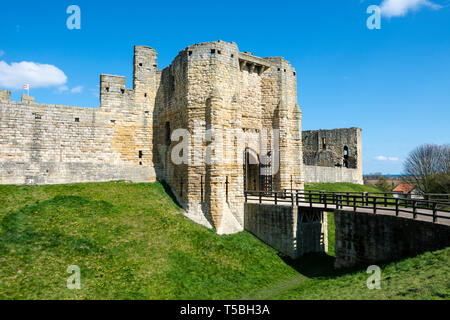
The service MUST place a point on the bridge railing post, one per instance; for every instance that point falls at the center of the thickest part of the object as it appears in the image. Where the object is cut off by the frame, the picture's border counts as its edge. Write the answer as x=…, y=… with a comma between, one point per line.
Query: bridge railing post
x=296, y=198
x=414, y=209
x=260, y=197
x=366, y=198
x=434, y=212
x=374, y=205
x=276, y=200
x=354, y=203
x=397, y=203
x=385, y=200
x=245, y=196
x=310, y=198
x=325, y=200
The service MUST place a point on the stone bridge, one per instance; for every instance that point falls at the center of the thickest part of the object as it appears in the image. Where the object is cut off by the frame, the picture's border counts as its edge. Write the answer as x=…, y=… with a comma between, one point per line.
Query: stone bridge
x=370, y=228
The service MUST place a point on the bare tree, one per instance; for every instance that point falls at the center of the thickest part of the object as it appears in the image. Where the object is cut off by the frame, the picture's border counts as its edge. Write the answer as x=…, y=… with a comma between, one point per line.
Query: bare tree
x=428, y=167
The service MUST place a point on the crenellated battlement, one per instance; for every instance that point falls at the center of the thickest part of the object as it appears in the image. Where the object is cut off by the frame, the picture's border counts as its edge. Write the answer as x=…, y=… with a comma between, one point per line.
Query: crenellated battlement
x=5, y=96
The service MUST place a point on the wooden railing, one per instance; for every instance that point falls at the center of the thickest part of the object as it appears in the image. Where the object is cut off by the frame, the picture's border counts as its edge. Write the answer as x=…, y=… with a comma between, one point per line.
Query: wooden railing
x=425, y=196
x=353, y=201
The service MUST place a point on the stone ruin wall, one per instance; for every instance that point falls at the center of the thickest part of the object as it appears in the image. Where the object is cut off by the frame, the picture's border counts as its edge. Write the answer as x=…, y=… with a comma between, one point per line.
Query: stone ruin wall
x=326, y=164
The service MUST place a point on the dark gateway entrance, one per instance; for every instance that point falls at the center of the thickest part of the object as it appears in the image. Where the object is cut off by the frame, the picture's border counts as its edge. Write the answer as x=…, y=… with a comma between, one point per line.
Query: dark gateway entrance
x=257, y=171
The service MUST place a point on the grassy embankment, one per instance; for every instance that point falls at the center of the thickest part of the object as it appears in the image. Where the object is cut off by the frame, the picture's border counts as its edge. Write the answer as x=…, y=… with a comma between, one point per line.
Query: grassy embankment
x=131, y=242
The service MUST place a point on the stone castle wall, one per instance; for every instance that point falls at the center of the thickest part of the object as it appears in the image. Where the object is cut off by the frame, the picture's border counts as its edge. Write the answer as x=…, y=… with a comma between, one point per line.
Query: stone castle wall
x=50, y=144
x=208, y=86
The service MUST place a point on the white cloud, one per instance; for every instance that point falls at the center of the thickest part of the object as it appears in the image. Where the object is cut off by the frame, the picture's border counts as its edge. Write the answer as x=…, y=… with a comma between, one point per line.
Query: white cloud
x=399, y=8
x=78, y=89
x=16, y=74
x=384, y=158
x=66, y=89
x=62, y=89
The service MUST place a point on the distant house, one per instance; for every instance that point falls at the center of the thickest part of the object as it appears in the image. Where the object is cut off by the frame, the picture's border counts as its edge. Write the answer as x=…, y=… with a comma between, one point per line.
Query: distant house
x=407, y=191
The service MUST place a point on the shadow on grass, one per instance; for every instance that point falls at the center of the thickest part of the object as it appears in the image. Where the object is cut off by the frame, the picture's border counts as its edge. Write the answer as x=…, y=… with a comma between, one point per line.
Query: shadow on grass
x=29, y=225
x=314, y=265
x=170, y=193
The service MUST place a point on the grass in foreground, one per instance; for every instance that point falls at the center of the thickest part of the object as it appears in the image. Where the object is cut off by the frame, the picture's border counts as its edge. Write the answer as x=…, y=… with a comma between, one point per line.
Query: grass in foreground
x=131, y=242
x=422, y=277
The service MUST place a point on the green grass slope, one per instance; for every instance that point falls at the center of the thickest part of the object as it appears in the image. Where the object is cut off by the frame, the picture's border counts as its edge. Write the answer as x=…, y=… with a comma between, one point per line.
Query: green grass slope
x=132, y=242
x=422, y=277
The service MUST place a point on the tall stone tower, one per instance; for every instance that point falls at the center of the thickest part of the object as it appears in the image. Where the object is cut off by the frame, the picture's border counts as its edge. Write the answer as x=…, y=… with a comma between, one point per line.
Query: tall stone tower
x=214, y=90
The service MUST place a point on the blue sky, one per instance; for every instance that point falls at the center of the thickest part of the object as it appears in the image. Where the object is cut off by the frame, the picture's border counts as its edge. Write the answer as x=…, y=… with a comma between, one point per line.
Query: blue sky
x=394, y=82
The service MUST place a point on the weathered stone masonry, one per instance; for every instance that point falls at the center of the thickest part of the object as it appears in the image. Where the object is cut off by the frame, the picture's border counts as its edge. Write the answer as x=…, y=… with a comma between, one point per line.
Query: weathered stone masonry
x=333, y=155
x=292, y=230
x=223, y=89
x=365, y=238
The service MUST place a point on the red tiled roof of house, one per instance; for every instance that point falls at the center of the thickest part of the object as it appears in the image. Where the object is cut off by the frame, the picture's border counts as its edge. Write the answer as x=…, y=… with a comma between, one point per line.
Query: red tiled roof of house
x=404, y=188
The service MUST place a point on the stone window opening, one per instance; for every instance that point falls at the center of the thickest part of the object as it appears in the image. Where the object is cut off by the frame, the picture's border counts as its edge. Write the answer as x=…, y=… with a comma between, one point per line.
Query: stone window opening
x=346, y=157
x=190, y=53
x=113, y=121
x=122, y=91
x=145, y=95
x=232, y=55
x=37, y=116
x=168, y=134
x=107, y=89
x=294, y=73
x=219, y=52
x=140, y=64
x=77, y=119
x=141, y=154
x=324, y=143
x=345, y=163
x=213, y=52
x=345, y=152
